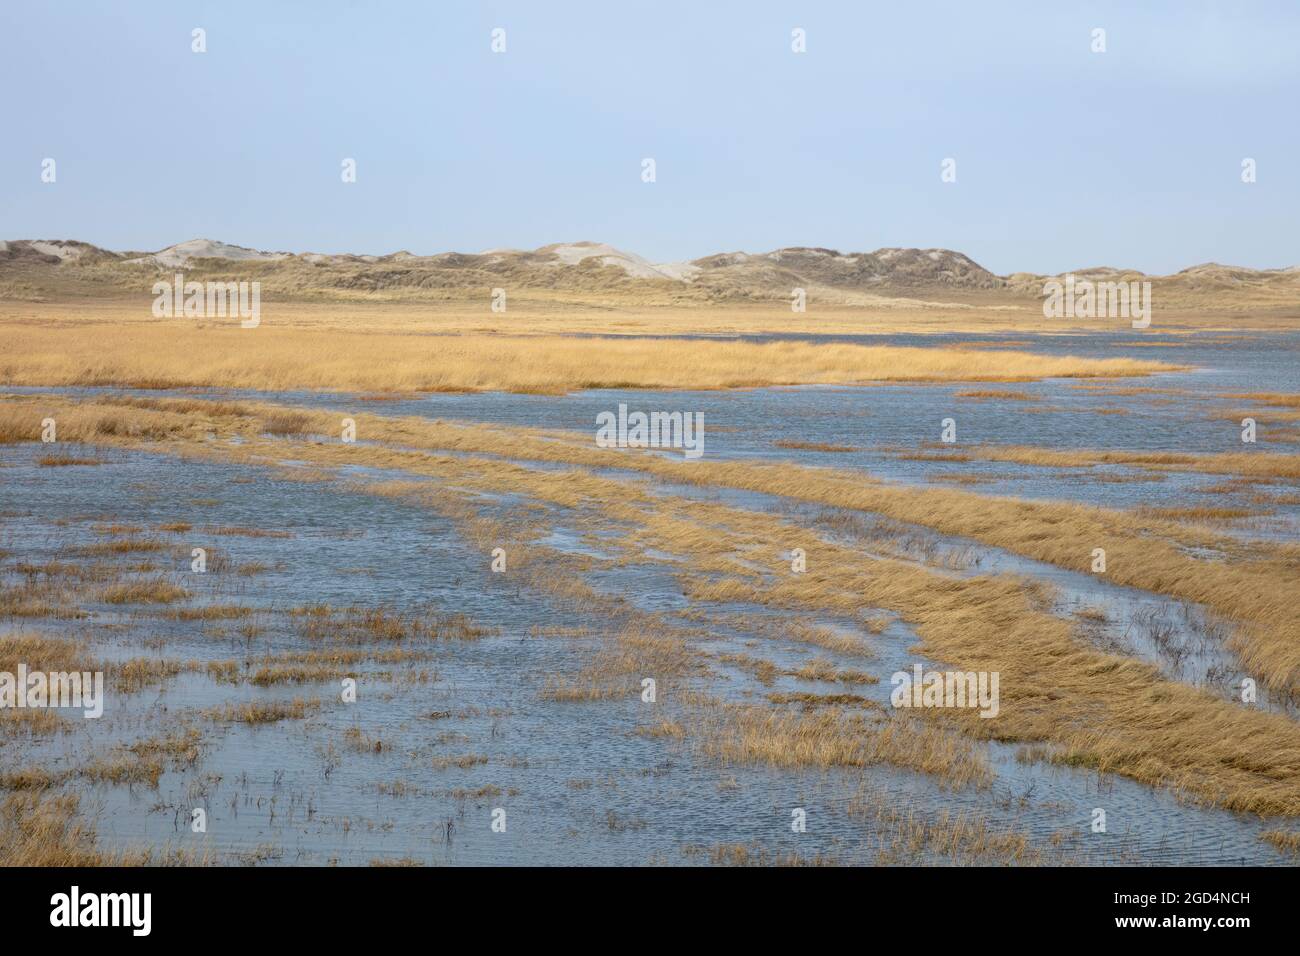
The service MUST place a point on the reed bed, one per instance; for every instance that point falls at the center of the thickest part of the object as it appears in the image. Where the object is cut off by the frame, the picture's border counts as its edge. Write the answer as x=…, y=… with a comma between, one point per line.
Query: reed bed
x=180, y=355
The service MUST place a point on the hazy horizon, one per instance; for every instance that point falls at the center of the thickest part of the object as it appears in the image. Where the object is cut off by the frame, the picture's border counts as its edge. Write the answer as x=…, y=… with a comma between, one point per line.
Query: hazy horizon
x=1066, y=159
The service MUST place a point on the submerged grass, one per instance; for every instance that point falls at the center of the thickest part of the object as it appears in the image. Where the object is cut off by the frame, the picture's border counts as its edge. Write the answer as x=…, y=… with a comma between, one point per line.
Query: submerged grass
x=834, y=737
x=1097, y=710
x=262, y=711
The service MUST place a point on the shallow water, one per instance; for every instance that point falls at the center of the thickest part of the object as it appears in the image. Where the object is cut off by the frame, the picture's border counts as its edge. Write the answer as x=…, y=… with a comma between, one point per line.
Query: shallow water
x=877, y=422
x=578, y=782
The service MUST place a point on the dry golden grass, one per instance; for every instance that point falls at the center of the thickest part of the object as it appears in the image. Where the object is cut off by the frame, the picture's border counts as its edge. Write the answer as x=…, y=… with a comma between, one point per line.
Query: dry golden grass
x=610, y=312
x=1275, y=399
x=1103, y=711
x=287, y=423
x=212, y=612
x=877, y=624
x=828, y=638
x=1199, y=513
x=359, y=625
x=906, y=836
x=96, y=572
x=44, y=653
x=820, y=669
x=1288, y=841
x=811, y=446
x=44, y=830
x=616, y=669
x=268, y=675
x=801, y=631
x=178, y=354
x=358, y=740
x=144, y=761
x=64, y=461
x=741, y=855
x=939, y=456
x=84, y=424
x=155, y=591
x=1286, y=498
x=237, y=531
x=1045, y=531
x=263, y=711
x=670, y=729
x=760, y=668
x=31, y=779
x=1096, y=710
x=994, y=394
x=1253, y=464
x=68, y=655
x=129, y=545
x=1145, y=553
x=837, y=738
x=136, y=674
x=37, y=723
x=1148, y=553
x=459, y=761
x=806, y=701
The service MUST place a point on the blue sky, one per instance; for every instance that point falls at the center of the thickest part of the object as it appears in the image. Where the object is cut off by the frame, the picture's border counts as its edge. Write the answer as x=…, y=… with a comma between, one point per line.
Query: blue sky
x=1065, y=158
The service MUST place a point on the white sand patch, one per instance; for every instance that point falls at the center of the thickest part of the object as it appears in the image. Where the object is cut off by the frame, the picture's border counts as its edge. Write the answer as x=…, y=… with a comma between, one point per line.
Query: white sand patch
x=64, y=253
x=681, y=271
x=181, y=253
x=629, y=262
